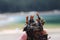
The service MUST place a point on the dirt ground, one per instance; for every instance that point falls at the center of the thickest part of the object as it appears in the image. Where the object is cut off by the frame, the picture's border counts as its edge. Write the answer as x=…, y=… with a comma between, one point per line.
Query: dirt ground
x=15, y=34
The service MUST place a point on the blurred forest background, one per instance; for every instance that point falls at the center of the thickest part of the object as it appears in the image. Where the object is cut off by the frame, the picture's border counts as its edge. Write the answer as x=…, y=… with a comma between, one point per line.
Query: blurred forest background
x=28, y=5
x=13, y=12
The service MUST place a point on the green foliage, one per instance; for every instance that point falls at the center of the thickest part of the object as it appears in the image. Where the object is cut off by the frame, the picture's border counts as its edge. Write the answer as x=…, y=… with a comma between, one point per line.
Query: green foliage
x=52, y=25
x=28, y=5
